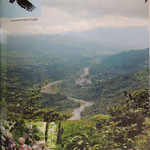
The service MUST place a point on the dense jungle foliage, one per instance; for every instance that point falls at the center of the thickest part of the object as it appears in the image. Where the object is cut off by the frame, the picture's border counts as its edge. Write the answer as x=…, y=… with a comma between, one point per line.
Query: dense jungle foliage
x=126, y=126
x=118, y=120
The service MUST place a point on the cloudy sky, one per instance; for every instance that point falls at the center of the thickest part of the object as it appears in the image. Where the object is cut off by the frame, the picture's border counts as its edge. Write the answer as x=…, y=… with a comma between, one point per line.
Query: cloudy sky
x=61, y=16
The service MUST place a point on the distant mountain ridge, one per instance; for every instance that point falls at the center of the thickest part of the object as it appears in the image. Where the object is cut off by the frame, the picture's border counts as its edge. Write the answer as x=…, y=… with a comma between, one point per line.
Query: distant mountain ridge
x=125, y=37
x=57, y=43
x=121, y=63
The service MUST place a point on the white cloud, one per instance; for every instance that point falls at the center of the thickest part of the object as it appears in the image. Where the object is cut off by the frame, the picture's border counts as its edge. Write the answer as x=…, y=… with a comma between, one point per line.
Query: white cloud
x=101, y=7
x=80, y=15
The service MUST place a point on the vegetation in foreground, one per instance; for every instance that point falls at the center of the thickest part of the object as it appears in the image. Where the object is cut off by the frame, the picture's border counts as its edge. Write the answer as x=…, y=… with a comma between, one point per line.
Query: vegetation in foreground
x=126, y=125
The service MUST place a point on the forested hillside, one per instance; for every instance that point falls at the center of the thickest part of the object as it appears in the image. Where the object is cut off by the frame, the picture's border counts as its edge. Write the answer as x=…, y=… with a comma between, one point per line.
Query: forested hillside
x=112, y=90
x=108, y=79
x=121, y=63
x=127, y=71
x=126, y=126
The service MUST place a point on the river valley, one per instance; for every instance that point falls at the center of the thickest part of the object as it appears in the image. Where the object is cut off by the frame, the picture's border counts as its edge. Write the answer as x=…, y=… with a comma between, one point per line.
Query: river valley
x=76, y=114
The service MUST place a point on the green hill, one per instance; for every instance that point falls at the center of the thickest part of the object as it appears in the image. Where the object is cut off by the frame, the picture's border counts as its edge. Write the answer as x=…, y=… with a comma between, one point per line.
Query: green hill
x=121, y=63
x=126, y=71
x=111, y=91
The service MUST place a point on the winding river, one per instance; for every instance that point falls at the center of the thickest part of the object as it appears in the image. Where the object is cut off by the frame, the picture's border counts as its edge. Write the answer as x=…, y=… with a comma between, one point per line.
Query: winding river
x=48, y=89
x=83, y=79
x=76, y=114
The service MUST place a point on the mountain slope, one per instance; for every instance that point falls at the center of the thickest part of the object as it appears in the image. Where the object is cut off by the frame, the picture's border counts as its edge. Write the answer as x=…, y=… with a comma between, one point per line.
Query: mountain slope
x=121, y=63
x=126, y=71
x=111, y=91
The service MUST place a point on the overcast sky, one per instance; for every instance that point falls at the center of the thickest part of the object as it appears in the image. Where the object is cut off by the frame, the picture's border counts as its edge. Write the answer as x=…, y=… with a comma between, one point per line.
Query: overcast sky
x=61, y=16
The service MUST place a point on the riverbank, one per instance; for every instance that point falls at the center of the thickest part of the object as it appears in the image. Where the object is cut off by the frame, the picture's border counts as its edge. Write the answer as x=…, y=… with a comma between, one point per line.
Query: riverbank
x=83, y=79
x=48, y=89
x=76, y=113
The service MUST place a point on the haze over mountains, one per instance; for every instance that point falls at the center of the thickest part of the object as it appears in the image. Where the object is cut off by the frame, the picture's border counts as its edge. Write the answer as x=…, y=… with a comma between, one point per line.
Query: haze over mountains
x=107, y=40
x=125, y=37
x=58, y=43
